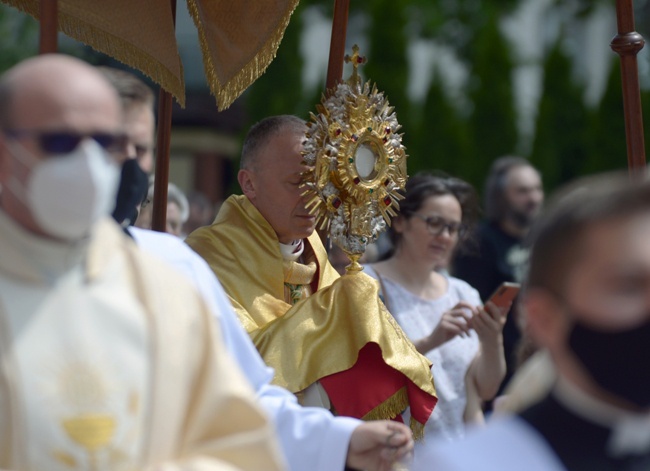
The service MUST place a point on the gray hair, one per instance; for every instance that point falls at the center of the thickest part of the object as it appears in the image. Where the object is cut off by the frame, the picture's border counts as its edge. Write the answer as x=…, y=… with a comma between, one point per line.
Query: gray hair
x=495, y=185
x=260, y=134
x=174, y=195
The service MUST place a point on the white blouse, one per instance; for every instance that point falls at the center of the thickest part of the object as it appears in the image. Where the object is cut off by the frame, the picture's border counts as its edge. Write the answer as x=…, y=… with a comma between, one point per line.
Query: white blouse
x=418, y=317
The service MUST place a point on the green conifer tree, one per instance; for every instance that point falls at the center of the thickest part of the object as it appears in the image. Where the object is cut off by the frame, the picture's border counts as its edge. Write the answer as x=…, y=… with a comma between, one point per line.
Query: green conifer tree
x=607, y=150
x=387, y=65
x=280, y=89
x=560, y=146
x=441, y=136
x=493, y=130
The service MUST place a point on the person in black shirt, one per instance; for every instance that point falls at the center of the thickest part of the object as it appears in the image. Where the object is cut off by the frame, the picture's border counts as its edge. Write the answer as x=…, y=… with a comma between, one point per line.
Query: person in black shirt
x=513, y=198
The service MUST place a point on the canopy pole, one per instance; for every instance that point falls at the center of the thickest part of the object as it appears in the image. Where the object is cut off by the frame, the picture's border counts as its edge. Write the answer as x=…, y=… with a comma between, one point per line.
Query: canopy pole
x=337, y=43
x=49, y=26
x=627, y=44
x=335, y=63
x=163, y=145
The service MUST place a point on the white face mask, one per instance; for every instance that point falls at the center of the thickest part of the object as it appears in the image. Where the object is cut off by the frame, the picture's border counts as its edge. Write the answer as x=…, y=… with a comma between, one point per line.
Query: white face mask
x=68, y=193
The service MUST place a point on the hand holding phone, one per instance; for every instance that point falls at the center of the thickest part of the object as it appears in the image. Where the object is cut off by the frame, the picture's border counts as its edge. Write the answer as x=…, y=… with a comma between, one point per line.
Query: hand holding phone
x=504, y=295
x=489, y=322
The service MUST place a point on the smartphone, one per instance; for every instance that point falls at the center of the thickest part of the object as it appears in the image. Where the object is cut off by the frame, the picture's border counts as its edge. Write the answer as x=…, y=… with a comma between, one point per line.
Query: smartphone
x=505, y=294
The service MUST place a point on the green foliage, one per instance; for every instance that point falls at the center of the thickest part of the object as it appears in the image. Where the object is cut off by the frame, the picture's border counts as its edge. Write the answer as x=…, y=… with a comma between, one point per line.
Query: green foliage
x=455, y=22
x=387, y=65
x=18, y=37
x=581, y=8
x=645, y=107
x=492, y=123
x=570, y=139
x=560, y=148
x=279, y=90
x=19, y=40
x=607, y=150
x=440, y=137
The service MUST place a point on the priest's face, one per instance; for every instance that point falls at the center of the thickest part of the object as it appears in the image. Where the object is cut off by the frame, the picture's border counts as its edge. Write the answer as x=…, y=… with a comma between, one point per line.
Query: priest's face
x=273, y=185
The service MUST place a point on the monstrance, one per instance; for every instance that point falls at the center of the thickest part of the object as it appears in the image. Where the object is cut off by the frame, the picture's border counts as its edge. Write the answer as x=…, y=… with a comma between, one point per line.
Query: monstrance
x=357, y=164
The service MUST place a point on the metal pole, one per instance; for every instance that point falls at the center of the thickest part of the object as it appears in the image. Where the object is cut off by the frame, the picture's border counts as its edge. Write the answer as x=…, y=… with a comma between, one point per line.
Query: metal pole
x=163, y=140
x=627, y=43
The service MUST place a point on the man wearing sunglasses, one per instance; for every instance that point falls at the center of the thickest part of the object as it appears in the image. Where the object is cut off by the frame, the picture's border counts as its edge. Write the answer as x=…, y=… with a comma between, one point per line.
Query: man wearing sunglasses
x=87, y=378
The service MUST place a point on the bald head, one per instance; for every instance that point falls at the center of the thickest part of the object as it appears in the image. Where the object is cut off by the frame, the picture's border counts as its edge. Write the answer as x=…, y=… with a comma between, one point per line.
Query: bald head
x=50, y=95
x=57, y=92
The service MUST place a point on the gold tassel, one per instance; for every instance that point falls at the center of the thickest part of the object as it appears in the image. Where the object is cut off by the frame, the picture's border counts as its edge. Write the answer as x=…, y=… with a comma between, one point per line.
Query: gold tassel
x=417, y=428
x=228, y=92
x=116, y=47
x=391, y=408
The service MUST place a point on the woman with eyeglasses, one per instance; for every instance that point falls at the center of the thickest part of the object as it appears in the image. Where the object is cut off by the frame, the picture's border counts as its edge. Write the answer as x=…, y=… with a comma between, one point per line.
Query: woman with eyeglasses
x=442, y=315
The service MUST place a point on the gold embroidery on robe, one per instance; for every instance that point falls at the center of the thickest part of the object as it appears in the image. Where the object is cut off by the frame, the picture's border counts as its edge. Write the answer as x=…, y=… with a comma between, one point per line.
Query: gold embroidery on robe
x=341, y=316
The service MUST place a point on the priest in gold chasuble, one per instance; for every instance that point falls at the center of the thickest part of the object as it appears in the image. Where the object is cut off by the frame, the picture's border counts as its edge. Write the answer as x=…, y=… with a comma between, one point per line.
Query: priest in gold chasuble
x=316, y=329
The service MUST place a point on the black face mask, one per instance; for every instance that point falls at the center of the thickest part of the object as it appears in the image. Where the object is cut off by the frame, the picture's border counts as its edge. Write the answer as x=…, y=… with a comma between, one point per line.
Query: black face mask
x=134, y=185
x=617, y=361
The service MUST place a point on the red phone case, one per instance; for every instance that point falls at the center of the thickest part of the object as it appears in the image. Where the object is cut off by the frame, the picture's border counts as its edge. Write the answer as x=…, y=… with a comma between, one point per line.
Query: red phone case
x=505, y=294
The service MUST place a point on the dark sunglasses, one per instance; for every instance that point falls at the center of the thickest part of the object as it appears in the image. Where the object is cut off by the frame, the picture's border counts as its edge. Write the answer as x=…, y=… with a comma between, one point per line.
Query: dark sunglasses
x=63, y=142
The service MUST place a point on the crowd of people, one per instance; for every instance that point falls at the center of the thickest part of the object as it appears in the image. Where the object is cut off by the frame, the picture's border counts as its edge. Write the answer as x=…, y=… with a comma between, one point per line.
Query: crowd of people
x=243, y=347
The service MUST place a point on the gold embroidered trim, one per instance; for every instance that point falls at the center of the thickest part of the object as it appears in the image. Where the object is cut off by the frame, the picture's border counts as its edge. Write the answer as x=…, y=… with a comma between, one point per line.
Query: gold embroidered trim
x=115, y=47
x=228, y=92
x=391, y=408
x=417, y=428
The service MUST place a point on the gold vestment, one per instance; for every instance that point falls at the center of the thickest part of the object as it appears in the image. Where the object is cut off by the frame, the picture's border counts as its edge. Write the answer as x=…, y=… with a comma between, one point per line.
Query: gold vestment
x=320, y=335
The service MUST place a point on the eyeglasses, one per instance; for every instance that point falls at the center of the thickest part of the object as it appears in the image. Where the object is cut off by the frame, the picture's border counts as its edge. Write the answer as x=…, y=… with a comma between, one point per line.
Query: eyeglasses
x=63, y=142
x=437, y=225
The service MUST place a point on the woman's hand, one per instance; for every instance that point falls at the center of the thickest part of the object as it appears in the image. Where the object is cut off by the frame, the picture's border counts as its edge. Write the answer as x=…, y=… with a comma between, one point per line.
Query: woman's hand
x=454, y=322
x=489, y=366
x=488, y=323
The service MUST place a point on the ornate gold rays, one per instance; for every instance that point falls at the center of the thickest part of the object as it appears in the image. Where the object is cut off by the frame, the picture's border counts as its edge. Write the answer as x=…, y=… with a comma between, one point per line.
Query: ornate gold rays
x=358, y=164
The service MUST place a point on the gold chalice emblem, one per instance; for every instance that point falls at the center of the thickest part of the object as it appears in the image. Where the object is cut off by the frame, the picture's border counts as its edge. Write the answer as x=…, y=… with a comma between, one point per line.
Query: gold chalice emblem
x=92, y=431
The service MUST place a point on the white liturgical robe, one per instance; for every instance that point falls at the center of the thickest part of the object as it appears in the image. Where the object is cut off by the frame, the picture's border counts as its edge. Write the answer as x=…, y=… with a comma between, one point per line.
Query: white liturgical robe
x=507, y=444
x=110, y=361
x=311, y=438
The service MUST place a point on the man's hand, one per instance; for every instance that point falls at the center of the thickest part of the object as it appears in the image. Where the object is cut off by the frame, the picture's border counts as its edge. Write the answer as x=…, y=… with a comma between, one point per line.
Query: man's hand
x=377, y=445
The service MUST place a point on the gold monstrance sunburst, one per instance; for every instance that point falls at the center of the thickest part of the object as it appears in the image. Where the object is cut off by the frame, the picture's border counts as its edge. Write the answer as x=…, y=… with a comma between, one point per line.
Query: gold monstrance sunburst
x=358, y=164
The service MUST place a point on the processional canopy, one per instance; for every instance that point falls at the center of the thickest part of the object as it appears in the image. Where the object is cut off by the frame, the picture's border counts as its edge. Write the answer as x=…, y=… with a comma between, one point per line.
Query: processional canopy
x=358, y=164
